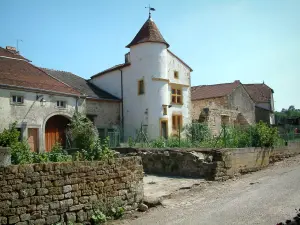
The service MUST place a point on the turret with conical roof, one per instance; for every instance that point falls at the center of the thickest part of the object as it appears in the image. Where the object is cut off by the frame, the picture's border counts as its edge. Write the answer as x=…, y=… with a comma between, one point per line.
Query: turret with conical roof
x=148, y=33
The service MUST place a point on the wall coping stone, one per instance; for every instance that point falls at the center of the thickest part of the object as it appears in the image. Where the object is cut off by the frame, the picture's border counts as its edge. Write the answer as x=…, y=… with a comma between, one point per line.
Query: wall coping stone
x=5, y=157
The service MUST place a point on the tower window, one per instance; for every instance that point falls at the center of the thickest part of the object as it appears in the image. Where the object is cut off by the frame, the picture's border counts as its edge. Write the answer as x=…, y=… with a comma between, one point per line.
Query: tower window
x=176, y=75
x=165, y=110
x=176, y=96
x=141, y=87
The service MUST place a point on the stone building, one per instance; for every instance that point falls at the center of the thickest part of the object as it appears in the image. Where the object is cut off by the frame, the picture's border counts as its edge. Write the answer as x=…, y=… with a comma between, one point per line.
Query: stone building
x=41, y=104
x=218, y=104
x=154, y=84
x=232, y=104
x=262, y=95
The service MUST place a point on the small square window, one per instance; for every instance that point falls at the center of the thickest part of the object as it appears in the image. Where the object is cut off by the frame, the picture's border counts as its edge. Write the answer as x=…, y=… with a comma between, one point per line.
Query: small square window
x=165, y=110
x=176, y=76
x=141, y=87
x=17, y=99
x=61, y=104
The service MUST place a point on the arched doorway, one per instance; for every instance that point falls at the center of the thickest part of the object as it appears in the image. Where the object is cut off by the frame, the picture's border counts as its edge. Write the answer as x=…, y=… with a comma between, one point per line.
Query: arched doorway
x=55, y=131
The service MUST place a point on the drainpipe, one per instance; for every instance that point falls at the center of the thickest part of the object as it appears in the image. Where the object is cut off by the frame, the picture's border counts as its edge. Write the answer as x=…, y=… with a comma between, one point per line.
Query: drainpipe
x=122, y=104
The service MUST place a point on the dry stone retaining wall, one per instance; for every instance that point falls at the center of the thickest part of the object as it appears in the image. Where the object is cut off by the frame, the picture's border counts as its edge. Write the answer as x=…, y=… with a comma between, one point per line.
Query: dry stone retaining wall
x=211, y=164
x=58, y=192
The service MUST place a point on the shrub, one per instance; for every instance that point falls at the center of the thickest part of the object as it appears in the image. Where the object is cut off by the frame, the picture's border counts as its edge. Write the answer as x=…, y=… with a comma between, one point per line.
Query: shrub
x=83, y=132
x=9, y=136
x=85, y=136
x=197, y=132
x=21, y=153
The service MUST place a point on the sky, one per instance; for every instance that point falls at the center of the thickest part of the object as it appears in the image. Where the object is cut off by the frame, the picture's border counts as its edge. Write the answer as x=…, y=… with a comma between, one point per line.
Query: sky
x=253, y=41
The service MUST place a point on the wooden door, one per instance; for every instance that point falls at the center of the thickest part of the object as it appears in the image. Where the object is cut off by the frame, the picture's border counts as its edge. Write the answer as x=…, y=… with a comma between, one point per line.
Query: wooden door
x=33, y=139
x=56, y=131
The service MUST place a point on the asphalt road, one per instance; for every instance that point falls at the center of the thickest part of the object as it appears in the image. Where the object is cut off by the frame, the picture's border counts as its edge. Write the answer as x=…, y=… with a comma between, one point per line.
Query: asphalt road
x=264, y=197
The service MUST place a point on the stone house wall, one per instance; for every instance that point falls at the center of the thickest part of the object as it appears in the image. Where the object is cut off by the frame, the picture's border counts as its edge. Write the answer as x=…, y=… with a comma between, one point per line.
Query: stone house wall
x=106, y=113
x=59, y=192
x=238, y=107
x=33, y=114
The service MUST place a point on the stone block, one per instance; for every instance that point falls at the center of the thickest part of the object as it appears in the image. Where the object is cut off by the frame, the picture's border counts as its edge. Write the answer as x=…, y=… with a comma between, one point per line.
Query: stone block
x=21, y=210
x=71, y=217
x=5, y=157
x=67, y=188
x=52, y=219
x=13, y=219
x=40, y=222
x=22, y=223
x=54, y=205
x=68, y=195
x=42, y=207
x=20, y=202
x=42, y=191
x=66, y=203
x=37, y=200
x=81, y=216
x=27, y=193
x=3, y=220
x=55, y=190
x=25, y=217
x=76, y=207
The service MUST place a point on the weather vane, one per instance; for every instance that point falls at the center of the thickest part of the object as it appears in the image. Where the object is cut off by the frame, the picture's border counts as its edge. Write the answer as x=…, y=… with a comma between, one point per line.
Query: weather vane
x=150, y=9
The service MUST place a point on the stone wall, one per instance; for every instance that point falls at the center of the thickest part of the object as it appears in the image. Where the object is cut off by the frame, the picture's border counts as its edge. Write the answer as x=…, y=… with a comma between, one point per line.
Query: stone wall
x=58, y=192
x=211, y=164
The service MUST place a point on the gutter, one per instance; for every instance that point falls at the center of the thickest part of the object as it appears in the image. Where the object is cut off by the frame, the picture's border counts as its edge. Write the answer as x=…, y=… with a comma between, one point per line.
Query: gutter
x=122, y=95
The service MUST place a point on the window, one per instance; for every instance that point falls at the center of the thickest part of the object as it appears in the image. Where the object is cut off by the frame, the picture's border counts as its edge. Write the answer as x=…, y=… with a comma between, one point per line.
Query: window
x=176, y=75
x=176, y=96
x=165, y=110
x=176, y=122
x=101, y=132
x=141, y=87
x=61, y=104
x=224, y=119
x=17, y=99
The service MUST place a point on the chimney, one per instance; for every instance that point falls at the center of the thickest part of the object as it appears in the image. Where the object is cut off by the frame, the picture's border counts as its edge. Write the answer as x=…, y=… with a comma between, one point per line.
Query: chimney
x=12, y=49
x=237, y=81
x=127, y=57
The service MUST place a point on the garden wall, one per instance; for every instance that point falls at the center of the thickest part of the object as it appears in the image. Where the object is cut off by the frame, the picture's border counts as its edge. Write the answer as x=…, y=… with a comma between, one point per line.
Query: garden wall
x=211, y=164
x=58, y=192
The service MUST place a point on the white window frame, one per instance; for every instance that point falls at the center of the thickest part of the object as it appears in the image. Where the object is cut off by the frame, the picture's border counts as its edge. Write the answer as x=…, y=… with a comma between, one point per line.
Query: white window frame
x=61, y=104
x=16, y=102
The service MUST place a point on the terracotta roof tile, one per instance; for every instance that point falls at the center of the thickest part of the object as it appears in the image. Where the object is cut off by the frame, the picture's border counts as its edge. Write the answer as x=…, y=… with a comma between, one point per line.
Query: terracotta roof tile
x=20, y=73
x=213, y=91
x=6, y=53
x=259, y=92
x=148, y=33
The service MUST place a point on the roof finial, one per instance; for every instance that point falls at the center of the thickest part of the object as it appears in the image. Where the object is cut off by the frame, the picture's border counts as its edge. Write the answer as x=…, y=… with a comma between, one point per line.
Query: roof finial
x=150, y=9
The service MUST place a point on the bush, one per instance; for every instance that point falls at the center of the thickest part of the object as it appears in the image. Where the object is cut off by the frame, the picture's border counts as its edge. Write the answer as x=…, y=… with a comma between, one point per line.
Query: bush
x=85, y=136
x=9, y=136
x=21, y=153
x=197, y=132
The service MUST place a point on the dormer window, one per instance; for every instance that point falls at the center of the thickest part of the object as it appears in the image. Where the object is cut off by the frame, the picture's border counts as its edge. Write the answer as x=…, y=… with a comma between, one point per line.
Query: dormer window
x=61, y=104
x=176, y=75
x=17, y=99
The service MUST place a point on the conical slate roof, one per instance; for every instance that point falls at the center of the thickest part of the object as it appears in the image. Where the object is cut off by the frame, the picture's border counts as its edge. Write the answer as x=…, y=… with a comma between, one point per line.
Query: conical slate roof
x=148, y=33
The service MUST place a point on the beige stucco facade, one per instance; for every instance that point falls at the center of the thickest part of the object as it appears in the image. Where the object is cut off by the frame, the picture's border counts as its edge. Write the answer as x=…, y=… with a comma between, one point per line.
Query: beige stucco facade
x=38, y=108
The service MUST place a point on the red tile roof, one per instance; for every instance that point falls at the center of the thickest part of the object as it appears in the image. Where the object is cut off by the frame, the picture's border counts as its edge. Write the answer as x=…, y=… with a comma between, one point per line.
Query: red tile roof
x=259, y=92
x=148, y=33
x=213, y=91
x=7, y=53
x=22, y=74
